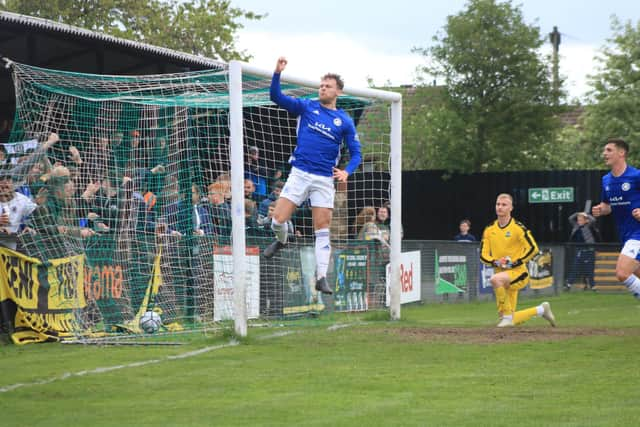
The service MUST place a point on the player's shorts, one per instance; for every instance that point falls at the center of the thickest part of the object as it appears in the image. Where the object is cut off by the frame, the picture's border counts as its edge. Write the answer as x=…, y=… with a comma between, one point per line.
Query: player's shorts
x=518, y=277
x=301, y=186
x=631, y=249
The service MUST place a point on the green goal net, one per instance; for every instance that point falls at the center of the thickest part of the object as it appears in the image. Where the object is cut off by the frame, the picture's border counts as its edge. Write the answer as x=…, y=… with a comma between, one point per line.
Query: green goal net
x=133, y=202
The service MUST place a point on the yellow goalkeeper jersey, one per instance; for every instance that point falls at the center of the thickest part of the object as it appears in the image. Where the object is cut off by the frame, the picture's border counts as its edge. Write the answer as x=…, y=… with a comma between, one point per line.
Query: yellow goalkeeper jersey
x=513, y=240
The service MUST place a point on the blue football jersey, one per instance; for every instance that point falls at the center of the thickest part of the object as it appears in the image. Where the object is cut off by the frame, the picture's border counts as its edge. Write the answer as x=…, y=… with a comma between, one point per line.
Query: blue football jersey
x=623, y=194
x=321, y=132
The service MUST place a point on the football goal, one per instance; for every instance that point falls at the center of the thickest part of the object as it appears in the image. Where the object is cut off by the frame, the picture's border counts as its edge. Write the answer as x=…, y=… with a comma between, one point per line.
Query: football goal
x=154, y=193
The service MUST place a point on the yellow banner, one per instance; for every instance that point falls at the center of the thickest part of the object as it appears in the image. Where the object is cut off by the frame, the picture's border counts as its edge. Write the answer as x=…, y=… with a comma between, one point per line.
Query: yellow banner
x=19, y=278
x=541, y=270
x=46, y=297
x=65, y=277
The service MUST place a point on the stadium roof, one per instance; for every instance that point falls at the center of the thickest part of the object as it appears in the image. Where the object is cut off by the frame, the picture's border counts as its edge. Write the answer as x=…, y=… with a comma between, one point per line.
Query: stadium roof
x=50, y=44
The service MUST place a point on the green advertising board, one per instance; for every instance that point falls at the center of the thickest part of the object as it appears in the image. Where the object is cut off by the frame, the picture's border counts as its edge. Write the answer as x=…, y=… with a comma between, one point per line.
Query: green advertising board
x=351, y=279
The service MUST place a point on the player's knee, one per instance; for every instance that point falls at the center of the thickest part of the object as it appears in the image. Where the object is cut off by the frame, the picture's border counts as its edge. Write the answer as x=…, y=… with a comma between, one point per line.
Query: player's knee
x=495, y=281
x=281, y=218
x=622, y=274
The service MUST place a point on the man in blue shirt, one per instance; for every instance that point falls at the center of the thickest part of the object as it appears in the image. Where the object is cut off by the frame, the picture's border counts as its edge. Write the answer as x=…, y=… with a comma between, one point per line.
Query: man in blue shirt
x=322, y=128
x=621, y=196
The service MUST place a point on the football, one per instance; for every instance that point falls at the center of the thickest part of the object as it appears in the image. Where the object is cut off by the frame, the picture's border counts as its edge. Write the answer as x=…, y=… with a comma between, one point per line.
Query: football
x=150, y=322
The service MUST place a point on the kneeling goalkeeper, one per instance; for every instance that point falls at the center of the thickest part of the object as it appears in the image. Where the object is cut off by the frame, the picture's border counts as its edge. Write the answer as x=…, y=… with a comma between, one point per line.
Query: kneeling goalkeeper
x=507, y=245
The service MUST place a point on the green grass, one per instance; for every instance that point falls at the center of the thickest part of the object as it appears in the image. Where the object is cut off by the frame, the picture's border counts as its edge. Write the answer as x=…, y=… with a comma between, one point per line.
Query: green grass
x=369, y=373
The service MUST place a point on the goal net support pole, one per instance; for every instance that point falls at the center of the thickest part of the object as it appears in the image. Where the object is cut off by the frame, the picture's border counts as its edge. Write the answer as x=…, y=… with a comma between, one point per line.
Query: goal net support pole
x=237, y=198
x=396, y=207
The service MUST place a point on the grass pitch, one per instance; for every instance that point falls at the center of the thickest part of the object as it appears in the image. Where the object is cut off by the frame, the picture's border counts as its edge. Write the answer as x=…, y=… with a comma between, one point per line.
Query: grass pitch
x=443, y=364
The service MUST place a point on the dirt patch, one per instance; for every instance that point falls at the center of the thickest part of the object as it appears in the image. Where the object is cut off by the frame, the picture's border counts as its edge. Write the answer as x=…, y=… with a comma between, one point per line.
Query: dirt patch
x=503, y=335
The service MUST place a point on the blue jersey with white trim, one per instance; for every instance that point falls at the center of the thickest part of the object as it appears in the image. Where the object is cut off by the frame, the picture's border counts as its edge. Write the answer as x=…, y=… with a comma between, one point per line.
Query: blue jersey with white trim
x=622, y=193
x=321, y=132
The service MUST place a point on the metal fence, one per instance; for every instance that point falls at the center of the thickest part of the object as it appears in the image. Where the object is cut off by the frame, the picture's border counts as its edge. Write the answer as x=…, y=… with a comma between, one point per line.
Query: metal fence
x=452, y=272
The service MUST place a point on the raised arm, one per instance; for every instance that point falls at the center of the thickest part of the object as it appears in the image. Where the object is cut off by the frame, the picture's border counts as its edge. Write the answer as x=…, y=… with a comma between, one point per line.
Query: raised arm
x=292, y=105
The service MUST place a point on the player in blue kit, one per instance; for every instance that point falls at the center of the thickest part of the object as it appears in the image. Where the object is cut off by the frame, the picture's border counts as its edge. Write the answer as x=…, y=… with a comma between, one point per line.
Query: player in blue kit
x=621, y=196
x=322, y=128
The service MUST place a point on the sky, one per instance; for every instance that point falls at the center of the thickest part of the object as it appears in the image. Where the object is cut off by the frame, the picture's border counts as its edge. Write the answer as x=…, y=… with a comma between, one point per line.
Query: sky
x=362, y=39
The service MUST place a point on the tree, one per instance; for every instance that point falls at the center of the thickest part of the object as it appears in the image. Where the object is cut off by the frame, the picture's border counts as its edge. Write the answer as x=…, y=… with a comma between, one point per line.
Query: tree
x=200, y=27
x=616, y=91
x=497, y=110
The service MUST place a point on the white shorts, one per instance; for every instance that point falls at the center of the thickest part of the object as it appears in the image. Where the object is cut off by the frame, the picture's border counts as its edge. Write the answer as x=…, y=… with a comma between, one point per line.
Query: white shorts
x=301, y=186
x=631, y=249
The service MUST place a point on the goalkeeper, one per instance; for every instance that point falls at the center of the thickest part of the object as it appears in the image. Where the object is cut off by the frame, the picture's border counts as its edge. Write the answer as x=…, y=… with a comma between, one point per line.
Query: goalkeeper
x=507, y=245
x=322, y=128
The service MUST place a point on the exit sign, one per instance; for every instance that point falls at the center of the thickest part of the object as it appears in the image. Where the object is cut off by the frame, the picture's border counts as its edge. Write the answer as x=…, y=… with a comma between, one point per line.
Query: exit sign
x=551, y=195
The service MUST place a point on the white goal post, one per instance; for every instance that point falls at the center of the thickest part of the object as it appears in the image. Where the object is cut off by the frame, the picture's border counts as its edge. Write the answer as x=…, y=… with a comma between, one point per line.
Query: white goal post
x=236, y=71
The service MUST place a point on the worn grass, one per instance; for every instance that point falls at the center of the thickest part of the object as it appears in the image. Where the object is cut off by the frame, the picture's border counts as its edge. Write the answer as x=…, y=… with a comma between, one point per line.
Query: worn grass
x=366, y=371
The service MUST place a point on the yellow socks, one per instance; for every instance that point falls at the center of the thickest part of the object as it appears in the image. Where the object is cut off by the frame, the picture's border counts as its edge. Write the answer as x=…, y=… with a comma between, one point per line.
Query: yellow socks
x=504, y=303
x=524, y=315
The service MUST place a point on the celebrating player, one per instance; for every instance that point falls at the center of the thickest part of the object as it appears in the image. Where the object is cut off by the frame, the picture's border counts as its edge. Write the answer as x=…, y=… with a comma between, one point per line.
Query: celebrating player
x=507, y=245
x=621, y=196
x=322, y=128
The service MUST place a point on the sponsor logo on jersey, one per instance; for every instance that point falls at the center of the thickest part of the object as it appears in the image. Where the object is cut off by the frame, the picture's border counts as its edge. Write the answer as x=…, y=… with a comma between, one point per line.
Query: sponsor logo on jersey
x=322, y=126
x=616, y=199
x=507, y=234
x=337, y=121
x=626, y=186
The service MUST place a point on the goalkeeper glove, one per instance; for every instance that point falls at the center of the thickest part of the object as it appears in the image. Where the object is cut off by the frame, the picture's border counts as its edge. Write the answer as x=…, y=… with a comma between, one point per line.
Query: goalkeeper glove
x=504, y=262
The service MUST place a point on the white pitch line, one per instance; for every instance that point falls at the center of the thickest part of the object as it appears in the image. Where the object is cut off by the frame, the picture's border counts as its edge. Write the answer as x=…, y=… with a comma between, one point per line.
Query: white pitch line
x=104, y=369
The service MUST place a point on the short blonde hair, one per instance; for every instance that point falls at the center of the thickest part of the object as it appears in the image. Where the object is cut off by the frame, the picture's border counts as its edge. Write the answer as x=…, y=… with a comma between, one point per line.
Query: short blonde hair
x=505, y=196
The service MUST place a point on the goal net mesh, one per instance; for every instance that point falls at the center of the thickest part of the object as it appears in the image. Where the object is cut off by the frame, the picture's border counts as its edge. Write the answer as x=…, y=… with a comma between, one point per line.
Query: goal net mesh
x=133, y=200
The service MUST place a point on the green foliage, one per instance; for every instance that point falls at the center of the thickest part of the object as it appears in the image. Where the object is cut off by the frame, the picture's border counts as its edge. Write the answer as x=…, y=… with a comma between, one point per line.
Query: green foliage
x=497, y=107
x=200, y=27
x=616, y=91
x=570, y=150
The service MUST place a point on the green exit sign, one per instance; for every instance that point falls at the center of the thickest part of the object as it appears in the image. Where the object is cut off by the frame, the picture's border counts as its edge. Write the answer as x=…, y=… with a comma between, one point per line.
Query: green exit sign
x=551, y=195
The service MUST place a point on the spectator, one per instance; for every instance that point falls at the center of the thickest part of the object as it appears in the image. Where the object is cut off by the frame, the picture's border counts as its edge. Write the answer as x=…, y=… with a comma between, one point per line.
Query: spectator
x=250, y=215
x=201, y=220
x=250, y=191
x=273, y=196
x=202, y=269
x=382, y=221
x=585, y=234
x=225, y=180
x=32, y=182
x=464, y=235
x=14, y=209
x=101, y=201
x=256, y=171
x=365, y=226
x=219, y=212
x=55, y=221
